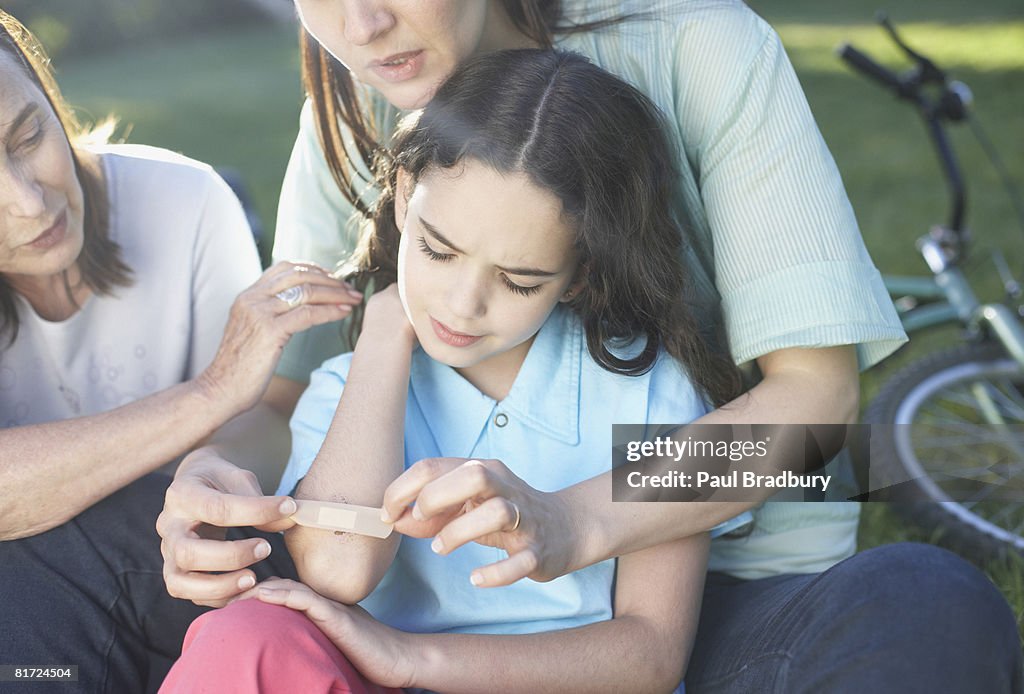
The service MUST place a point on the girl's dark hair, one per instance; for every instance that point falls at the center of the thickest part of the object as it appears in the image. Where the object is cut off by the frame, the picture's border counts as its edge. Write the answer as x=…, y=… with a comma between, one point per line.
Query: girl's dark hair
x=597, y=144
x=336, y=102
x=100, y=260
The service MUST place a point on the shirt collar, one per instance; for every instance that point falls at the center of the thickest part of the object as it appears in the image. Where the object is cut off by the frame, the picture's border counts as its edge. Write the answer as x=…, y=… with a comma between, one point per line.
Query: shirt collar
x=545, y=395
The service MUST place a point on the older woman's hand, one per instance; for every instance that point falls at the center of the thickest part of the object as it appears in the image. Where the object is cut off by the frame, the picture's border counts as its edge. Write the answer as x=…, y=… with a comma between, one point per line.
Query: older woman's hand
x=207, y=496
x=288, y=298
x=459, y=501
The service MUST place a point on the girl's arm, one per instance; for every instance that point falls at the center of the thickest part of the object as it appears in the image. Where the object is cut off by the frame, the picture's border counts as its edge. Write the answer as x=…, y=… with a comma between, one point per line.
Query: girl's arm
x=362, y=453
x=644, y=647
x=51, y=472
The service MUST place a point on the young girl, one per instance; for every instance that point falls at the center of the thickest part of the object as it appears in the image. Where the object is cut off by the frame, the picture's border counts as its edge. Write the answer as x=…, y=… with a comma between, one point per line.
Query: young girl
x=527, y=278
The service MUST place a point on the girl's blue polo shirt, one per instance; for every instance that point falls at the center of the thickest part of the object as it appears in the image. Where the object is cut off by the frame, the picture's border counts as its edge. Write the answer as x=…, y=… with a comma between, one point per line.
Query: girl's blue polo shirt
x=553, y=429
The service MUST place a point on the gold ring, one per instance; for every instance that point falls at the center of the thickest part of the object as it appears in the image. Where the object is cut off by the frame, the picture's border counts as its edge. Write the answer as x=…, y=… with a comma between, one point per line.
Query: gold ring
x=519, y=517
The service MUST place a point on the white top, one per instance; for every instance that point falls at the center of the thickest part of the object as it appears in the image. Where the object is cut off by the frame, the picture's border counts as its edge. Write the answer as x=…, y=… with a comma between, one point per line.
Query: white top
x=184, y=236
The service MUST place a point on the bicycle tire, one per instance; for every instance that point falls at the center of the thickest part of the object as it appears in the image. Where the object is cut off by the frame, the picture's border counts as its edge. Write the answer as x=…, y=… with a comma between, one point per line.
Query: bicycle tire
x=928, y=395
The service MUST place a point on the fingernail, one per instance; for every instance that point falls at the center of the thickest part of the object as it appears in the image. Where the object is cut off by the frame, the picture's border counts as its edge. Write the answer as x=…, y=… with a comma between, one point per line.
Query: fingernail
x=417, y=513
x=437, y=546
x=246, y=582
x=476, y=579
x=262, y=550
x=385, y=517
x=354, y=294
x=288, y=507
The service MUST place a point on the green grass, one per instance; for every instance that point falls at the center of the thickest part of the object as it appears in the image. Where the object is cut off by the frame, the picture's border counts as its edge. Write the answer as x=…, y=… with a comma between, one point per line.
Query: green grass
x=892, y=174
x=228, y=99
x=233, y=100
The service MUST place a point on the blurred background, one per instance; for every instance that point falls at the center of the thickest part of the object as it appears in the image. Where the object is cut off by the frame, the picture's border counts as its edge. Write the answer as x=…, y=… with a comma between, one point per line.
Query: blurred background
x=219, y=81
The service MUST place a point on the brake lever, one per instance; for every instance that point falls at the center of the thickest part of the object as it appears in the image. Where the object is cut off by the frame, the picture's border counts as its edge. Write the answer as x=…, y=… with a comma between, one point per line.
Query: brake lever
x=928, y=72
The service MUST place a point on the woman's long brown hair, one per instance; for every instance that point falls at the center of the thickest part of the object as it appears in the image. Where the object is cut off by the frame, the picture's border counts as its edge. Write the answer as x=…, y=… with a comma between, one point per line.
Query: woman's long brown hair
x=100, y=261
x=336, y=104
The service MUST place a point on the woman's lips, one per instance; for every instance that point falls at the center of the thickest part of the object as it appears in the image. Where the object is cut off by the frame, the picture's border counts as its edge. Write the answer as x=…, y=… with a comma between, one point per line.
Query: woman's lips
x=399, y=67
x=53, y=235
x=450, y=337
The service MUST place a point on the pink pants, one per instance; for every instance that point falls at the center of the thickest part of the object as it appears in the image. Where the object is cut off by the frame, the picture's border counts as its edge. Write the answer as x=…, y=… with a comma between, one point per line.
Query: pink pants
x=250, y=646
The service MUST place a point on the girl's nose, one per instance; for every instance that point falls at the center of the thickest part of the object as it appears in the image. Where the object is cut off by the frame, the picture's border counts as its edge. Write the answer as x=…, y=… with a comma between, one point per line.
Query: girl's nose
x=467, y=298
x=366, y=20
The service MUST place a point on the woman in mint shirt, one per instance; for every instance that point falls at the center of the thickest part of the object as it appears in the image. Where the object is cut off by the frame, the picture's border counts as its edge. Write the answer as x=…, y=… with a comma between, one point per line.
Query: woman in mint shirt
x=773, y=236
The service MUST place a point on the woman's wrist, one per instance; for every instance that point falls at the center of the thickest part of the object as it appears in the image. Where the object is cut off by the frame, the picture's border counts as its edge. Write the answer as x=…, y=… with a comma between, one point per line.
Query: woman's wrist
x=429, y=663
x=590, y=537
x=217, y=403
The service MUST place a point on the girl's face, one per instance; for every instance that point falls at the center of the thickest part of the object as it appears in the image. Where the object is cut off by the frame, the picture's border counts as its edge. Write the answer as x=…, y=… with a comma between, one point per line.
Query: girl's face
x=41, y=204
x=406, y=48
x=486, y=256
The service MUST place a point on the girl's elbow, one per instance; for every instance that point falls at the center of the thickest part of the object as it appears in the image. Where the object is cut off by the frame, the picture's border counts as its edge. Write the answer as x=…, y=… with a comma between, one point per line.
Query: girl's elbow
x=333, y=574
x=335, y=584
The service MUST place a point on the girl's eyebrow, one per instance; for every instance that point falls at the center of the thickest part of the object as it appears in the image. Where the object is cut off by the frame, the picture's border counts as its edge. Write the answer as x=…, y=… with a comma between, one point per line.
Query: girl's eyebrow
x=524, y=271
x=22, y=116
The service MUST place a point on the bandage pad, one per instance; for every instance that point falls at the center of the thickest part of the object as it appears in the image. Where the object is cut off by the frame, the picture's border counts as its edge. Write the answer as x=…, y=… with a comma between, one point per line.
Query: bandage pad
x=348, y=518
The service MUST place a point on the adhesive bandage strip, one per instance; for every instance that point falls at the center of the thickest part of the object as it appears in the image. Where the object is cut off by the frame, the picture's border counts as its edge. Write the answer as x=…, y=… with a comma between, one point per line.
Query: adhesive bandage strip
x=349, y=518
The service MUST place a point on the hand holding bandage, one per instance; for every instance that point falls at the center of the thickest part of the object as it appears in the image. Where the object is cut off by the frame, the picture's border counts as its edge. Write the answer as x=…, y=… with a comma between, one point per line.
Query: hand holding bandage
x=459, y=501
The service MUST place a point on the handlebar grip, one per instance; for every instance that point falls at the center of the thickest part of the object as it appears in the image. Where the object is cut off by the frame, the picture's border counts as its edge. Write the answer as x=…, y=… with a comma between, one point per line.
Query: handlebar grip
x=867, y=66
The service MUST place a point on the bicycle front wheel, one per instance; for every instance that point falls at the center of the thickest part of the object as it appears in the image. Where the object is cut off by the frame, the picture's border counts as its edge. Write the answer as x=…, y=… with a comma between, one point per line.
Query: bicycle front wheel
x=952, y=426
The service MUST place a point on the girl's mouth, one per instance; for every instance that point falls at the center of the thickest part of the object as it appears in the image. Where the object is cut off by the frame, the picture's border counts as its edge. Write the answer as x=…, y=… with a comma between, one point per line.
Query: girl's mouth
x=450, y=337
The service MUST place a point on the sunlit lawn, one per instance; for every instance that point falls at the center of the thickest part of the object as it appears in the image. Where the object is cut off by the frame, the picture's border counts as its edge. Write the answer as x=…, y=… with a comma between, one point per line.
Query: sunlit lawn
x=233, y=100
x=228, y=99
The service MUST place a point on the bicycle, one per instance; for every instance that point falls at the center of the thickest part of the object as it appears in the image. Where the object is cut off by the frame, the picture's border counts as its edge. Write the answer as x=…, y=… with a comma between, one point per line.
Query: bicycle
x=947, y=431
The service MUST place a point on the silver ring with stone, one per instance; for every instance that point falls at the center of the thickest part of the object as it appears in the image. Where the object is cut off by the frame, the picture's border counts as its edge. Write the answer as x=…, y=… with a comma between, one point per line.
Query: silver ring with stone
x=291, y=296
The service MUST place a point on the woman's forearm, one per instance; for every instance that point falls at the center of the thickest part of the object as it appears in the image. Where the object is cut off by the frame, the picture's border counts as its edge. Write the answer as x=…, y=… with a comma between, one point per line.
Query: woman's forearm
x=800, y=386
x=361, y=455
x=51, y=472
x=619, y=655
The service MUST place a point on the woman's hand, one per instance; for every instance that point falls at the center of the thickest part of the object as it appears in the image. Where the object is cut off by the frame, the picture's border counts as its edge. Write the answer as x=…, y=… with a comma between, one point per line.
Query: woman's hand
x=207, y=496
x=482, y=501
x=288, y=298
x=383, y=655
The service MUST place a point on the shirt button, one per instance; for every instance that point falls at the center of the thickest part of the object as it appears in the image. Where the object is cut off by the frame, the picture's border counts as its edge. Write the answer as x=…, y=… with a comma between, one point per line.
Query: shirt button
x=500, y=419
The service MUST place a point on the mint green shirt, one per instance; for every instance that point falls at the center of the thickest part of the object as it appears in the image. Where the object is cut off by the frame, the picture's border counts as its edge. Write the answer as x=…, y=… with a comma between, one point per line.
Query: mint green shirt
x=773, y=233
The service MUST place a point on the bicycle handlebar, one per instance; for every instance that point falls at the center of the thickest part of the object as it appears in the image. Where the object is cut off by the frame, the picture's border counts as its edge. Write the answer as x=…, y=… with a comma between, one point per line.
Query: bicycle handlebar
x=949, y=104
x=865, y=65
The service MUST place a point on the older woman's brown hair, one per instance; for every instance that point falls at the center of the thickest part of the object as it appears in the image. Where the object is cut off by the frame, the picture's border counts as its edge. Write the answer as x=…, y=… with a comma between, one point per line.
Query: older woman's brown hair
x=100, y=263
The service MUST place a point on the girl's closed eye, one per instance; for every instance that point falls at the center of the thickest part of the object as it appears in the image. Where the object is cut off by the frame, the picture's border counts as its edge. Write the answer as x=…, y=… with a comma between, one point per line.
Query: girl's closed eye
x=445, y=257
x=431, y=253
x=518, y=288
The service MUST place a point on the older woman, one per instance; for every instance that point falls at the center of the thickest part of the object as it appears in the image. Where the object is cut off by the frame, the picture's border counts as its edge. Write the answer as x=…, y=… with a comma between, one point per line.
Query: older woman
x=119, y=268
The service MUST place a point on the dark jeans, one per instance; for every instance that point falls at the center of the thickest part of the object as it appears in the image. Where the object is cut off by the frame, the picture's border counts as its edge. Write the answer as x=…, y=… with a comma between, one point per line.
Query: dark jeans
x=91, y=593
x=901, y=618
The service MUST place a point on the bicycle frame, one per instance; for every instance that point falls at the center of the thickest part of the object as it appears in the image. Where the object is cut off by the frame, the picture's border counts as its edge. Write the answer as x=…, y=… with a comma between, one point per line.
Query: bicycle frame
x=947, y=297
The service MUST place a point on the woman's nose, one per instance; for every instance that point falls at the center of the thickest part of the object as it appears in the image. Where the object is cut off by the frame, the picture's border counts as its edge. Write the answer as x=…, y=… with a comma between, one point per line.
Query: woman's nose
x=21, y=195
x=366, y=20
